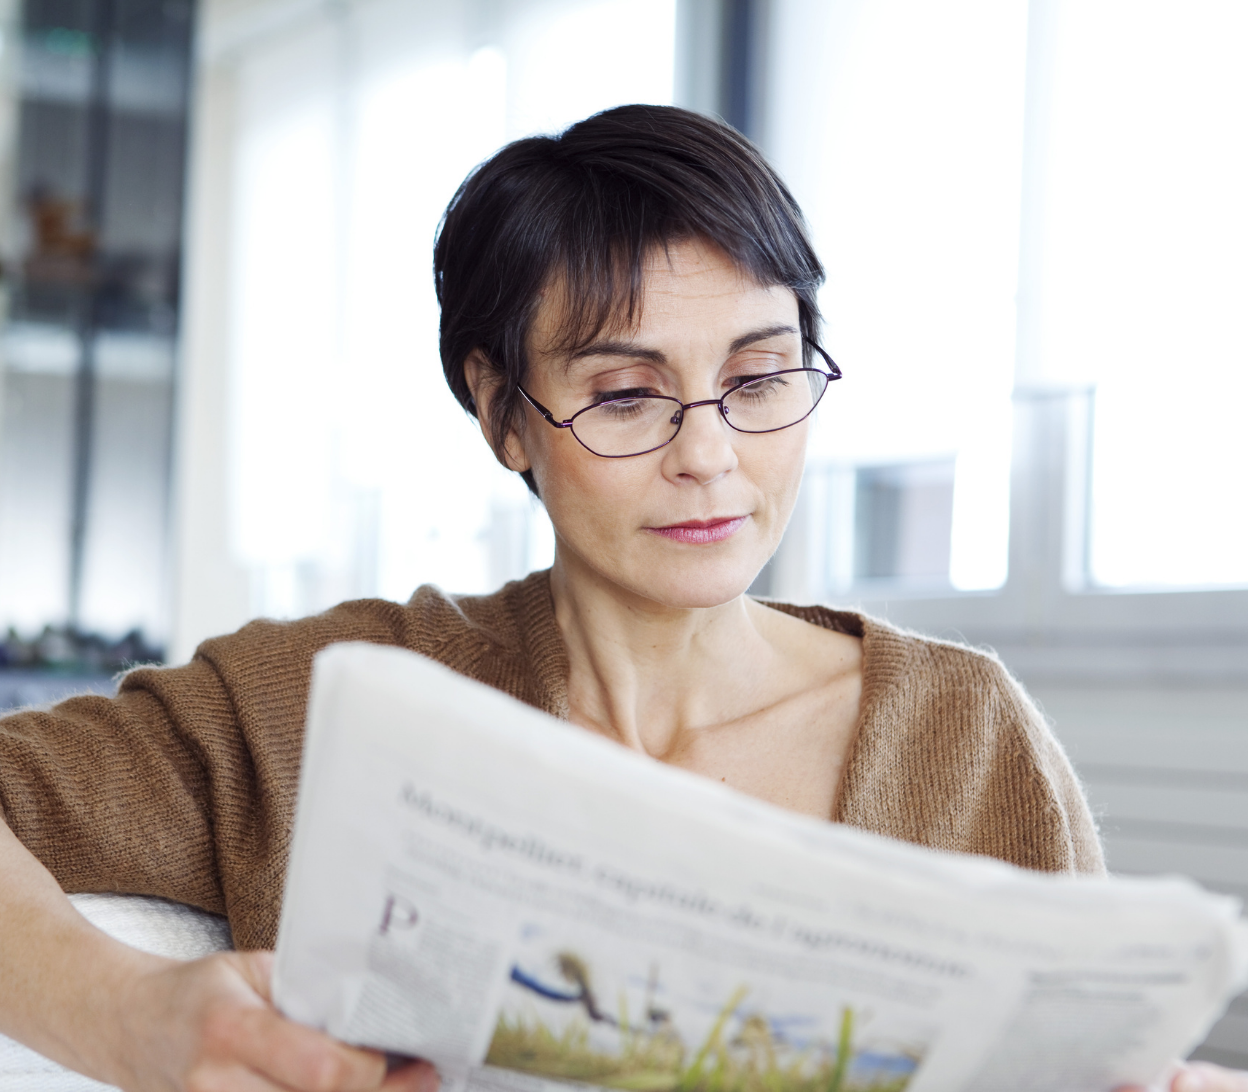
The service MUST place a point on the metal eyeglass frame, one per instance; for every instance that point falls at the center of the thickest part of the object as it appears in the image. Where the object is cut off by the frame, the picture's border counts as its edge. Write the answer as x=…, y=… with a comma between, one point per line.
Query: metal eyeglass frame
x=833, y=373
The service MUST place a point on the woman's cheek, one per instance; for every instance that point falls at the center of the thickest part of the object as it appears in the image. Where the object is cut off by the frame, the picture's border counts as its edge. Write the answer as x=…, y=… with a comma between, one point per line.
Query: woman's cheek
x=587, y=502
x=777, y=475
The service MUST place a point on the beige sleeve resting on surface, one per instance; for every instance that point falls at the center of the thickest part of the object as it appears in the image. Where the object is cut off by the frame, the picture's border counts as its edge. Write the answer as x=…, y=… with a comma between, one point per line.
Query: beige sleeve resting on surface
x=113, y=794
x=183, y=786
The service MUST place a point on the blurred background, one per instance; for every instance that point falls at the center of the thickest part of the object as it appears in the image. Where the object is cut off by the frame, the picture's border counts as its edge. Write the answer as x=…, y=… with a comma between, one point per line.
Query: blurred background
x=221, y=396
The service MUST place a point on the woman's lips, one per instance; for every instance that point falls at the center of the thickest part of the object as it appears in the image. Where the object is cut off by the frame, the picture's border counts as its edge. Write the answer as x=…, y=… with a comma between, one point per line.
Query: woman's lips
x=699, y=531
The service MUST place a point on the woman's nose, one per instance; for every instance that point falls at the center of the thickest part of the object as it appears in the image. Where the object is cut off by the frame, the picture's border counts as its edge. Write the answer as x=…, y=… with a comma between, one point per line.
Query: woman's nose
x=702, y=450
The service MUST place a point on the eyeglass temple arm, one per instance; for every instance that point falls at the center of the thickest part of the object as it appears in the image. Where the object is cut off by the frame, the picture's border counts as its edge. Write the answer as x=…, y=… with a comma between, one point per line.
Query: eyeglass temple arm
x=542, y=409
x=833, y=368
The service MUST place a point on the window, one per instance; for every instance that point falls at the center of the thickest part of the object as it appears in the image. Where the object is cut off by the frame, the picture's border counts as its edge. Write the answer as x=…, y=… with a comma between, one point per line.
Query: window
x=1144, y=280
x=915, y=115
x=1037, y=203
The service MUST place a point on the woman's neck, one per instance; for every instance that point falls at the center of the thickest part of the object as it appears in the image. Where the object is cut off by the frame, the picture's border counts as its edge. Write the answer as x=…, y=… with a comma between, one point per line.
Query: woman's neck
x=644, y=674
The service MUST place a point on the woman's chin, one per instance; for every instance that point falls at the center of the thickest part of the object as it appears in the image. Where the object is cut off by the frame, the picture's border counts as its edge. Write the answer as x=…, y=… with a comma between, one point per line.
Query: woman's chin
x=675, y=577
x=684, y=587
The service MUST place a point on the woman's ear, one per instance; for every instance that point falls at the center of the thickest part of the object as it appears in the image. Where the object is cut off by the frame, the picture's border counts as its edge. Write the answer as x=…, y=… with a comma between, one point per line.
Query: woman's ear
x=484, y=384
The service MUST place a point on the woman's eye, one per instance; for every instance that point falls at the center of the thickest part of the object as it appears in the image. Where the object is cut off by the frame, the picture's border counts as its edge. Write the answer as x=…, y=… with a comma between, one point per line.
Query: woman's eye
x=626, y=409
x=611, y=396
x=756, y=384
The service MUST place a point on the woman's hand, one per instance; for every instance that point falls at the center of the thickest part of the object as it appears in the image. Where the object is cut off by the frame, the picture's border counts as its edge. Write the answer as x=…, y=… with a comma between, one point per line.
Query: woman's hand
x=151, y=1024
x=1203, y=1077
x=209, y=1025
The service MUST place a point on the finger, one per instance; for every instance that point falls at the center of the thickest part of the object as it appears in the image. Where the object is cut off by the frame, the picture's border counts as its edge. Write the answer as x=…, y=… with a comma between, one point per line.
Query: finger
x=297, y=1055
x=413, y=1077
x=1204, y=1077
x=230, y=1078
x=1161, y=1083
x=302, y=1058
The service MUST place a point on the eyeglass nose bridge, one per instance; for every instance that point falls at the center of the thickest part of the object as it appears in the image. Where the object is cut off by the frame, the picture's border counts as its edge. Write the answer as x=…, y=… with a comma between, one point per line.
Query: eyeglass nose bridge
x=678, y=418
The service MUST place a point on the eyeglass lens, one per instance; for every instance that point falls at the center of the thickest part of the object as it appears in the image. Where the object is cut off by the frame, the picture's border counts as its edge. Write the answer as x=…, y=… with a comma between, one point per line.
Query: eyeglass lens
x=633, y=426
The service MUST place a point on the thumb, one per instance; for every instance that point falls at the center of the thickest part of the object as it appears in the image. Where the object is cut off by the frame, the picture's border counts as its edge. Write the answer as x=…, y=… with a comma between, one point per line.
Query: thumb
x=257, y=971
x=415, y=1077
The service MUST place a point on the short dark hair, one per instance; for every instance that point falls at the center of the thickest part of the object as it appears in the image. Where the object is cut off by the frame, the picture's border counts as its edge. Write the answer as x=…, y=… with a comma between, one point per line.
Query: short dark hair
x=587, y=207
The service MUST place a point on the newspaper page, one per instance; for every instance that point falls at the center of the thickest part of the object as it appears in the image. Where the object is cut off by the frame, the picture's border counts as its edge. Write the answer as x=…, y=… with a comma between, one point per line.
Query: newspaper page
x=522, y=903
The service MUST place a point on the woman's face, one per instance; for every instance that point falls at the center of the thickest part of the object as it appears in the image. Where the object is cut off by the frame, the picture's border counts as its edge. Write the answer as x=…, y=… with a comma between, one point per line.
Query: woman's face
x=691, y=524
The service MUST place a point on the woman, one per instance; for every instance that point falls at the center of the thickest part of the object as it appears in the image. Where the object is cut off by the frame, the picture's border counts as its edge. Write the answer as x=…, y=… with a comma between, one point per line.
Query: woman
x=629, y=311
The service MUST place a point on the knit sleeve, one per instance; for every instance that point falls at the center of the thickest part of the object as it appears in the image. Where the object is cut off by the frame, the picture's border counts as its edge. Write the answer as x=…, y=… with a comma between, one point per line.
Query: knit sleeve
x=183, y=785
x=113, y=794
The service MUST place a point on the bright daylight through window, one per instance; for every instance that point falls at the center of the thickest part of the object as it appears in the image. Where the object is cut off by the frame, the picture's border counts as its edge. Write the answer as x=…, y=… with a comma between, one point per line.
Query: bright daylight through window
x=906, y=153
x=1089, y=156
x=1146, y=277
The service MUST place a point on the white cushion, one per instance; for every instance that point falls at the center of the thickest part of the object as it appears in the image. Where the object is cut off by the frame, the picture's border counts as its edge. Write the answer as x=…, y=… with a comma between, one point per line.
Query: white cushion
x=154, y=925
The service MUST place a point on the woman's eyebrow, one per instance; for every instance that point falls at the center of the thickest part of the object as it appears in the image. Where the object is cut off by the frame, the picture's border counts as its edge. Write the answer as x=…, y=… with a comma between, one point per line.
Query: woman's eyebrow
x=619, y=348
x=655, y=356
x=746, y=340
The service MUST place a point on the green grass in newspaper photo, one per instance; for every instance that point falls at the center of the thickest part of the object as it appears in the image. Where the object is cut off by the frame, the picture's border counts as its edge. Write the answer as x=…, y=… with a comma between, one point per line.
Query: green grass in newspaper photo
x=741, y=1052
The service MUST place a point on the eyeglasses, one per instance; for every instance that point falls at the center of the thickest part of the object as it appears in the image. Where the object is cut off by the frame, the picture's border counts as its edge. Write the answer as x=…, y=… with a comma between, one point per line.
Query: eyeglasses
x=620, y=428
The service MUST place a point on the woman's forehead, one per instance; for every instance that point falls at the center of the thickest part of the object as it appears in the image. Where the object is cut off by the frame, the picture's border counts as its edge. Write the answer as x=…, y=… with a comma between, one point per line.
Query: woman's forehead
x=689, y=284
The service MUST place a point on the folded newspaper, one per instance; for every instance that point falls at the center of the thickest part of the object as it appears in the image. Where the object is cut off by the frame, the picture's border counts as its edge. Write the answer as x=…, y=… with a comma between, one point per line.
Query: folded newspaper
x=521, y=902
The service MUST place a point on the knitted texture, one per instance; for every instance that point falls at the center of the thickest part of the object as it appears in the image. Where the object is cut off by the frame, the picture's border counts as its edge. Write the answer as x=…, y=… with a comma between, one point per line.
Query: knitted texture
x=183, y=785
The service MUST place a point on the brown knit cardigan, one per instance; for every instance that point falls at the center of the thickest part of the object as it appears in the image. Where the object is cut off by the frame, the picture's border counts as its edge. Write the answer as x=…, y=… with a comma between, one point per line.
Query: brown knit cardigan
x=184, y=785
